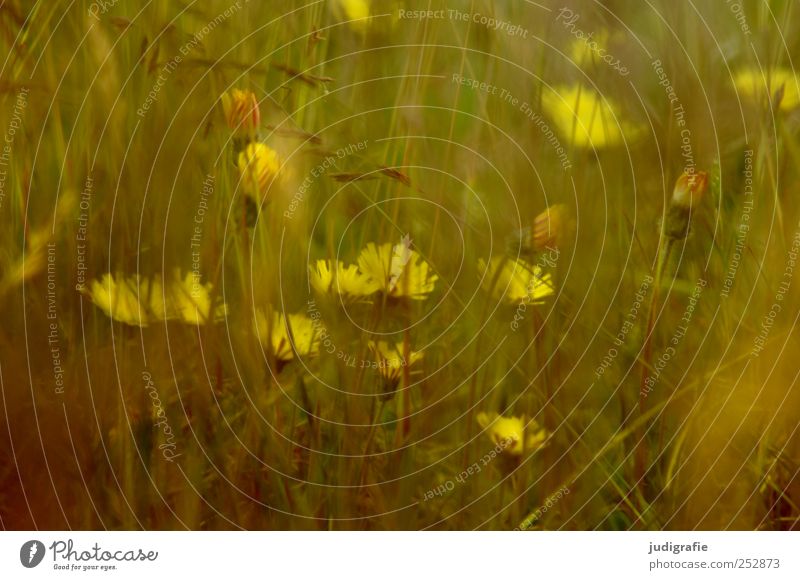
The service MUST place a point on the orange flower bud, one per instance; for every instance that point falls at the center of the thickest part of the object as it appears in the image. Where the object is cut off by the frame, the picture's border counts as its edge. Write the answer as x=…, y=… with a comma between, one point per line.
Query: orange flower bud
x=241, y=111
x=689, y=189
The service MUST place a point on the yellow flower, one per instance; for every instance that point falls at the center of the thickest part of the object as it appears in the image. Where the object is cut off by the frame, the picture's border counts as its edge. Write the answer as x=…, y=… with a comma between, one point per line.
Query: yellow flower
x=258, y=165
x=119, y=300
x=241, y=111
x=355, y=11
x=397, y=270
x=511, y=433
x=287, y=336
x=754, y=83
x=515, y=280
x=348, y=283
x=138, y=301
x=390, y=362
x=586, y=117
x=155, y=303
x=191, y=300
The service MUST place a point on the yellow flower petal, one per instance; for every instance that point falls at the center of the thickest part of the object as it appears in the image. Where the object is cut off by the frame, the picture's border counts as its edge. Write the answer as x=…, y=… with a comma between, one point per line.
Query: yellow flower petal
x=119, y=300
x=138, y=301
x=515, y=280
x=509, y=433
x=286, y=336
x=258, y=166
x=348, y=282
x=397, y=270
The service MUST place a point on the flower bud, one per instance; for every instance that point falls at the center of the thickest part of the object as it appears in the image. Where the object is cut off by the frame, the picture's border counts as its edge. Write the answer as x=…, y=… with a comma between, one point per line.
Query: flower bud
x=241, y=111
x=689, y=189
x=258, y=165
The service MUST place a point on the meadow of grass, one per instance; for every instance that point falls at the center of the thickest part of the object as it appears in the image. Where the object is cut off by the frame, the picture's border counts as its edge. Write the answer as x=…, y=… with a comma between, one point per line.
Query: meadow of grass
x=536, y=324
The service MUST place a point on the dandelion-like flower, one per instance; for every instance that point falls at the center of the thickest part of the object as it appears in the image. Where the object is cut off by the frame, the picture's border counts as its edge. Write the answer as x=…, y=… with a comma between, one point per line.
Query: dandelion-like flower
x=397, y=270
x=512, y=434
x=779, y=85
x=589, y=119
x=138, y=301
x=515, y=280
x=550, y=230
x=258, y=165
x=242, y=114
x=347, y=282
x=119, y=299
x=288, y=335
x=390, y=362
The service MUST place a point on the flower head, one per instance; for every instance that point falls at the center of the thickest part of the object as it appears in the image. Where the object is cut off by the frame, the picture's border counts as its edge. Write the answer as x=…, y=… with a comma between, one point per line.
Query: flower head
x=397, y=270
x=258, y=165
x=138, y=301
x=689, y=189
x=780, y=85
x=390, y=362
x=515, y=280
x=241, y=111
x=288, y=335
x=119, y=299
x=348, y=283
x=588, y=118
x=512, y=433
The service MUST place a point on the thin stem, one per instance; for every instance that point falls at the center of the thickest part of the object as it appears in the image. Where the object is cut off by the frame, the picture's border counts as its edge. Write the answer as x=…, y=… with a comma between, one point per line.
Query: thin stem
x=665, y=248
x=370, y=436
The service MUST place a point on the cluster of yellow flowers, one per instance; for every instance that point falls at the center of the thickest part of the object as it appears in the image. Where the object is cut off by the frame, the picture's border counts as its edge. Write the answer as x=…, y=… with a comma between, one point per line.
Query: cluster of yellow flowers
x=396, y=270
x=592, y=120
x=258, y=167
x=139, y=301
